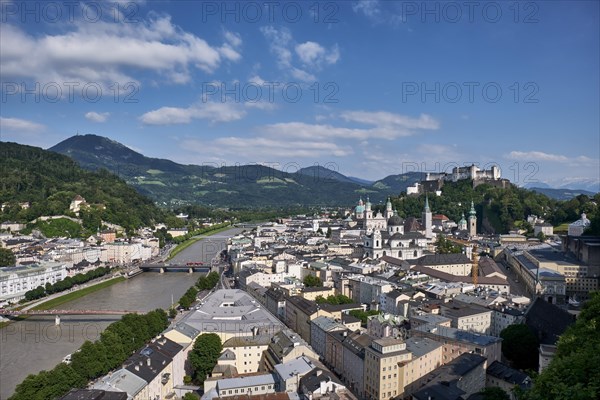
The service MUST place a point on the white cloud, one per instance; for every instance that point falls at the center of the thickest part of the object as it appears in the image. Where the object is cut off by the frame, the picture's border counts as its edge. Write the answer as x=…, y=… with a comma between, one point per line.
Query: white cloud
x=97, y=117
x=213, y=112
x=384, y=118
x=20, y=125
x=266, y=148
x=233, y=38
x=383, y=125
x=261, y=105
x=312, y=55
x=536, y=156
x=309, y=52
x=107, y=52
x=230, y=50
x=302, y=75
x=256, y=80
x=369, y=8
x=279, y=42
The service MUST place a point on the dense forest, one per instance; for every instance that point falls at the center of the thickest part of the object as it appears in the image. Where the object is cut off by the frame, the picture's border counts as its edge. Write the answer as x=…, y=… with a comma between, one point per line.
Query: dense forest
x=49, y=181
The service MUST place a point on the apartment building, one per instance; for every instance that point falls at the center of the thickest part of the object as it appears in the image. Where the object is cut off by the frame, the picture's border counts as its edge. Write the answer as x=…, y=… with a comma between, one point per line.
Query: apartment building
x=468, y=318
x=319, y=328
x=503, y=317
x=285, y=345
x=353, y=354
x=506, y=378
x=334, y=350
x=16, y=281
x=382, y=359
x=247, y=351
x=385, y=325
x=457, y=342
x=426, y=356
x=299, y=313
x=453, y=264
x=459, y=379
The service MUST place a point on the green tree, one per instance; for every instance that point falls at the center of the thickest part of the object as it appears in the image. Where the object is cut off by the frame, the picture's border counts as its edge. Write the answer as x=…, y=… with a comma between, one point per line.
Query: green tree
x=190, y=396
x=116, y=343
x=92, y=360
x=328, y=234
x=445, y=246
x=204, y=355
x=312, y=281
x=7, y=258
x=363, y=315
x=573, y=372
x=334, y=299
x=541, y=236
x=520, y=345
x=494, y=393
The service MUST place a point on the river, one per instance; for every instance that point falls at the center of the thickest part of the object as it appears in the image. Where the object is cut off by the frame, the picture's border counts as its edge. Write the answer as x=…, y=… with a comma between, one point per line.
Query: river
x=36, y=344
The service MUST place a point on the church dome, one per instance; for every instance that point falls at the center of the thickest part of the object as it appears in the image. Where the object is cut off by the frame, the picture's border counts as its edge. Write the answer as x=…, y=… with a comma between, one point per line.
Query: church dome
x=395, y=221
x=359, y=209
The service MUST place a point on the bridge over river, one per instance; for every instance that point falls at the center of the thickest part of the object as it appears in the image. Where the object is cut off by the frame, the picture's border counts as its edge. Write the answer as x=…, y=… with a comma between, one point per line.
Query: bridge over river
x=16, y=313
x=37, y=343
x=57, y=313
x=165, y=267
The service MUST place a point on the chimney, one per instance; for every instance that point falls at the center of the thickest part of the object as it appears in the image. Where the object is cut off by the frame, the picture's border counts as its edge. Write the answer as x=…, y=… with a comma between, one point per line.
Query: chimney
x=137, y=367
x=148, y=361
x=319, y=372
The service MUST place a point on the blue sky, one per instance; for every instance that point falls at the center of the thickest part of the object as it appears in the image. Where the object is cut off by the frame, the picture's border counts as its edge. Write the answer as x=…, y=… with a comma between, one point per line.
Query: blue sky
x=370, y=87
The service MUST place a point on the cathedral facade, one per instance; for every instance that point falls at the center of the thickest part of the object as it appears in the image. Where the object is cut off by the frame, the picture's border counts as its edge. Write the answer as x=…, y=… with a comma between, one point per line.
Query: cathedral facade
x=385, y=236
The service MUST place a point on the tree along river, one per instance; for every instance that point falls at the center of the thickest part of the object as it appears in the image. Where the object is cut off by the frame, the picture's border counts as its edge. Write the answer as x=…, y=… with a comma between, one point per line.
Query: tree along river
x=36, y=344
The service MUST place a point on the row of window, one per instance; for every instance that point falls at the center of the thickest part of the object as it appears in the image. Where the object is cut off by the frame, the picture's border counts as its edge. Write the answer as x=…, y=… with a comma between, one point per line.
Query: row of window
x=244, y=390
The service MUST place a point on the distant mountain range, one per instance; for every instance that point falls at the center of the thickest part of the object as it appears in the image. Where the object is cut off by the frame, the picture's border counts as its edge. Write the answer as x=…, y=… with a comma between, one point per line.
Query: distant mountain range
x=174, y=184
x=561, y=194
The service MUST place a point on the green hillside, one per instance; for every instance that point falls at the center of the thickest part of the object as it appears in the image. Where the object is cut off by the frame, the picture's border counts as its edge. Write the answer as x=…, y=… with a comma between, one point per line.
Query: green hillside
x=49, y=182
x=499, y=210
x=237, y=186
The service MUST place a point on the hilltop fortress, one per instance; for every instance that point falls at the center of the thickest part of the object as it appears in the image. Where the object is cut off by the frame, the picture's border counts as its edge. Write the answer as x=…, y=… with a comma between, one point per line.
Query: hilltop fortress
x=434, y=181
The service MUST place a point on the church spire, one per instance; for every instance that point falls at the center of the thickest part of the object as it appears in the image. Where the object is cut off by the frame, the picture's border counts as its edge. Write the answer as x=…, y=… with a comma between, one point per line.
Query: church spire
x=426, y=203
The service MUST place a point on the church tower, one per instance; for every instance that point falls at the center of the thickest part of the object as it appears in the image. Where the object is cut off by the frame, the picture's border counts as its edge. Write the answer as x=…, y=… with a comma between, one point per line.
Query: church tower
x=368, y=217
x=462, y=224
x=426, y=218
x=388, y=209
x=472, y=221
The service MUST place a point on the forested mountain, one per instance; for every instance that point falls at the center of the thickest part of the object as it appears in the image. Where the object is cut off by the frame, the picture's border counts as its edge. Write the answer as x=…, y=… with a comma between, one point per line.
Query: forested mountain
x=239, y=186
x=49, y=181
x=34, y=174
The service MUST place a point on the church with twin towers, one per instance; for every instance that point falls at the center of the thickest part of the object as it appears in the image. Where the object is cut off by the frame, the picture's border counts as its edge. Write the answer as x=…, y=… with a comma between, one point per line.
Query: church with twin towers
x=386, y=234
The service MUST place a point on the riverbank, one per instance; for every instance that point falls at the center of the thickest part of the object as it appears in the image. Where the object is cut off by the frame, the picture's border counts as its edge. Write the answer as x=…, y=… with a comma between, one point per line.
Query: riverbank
x=184, y=245
x=51, y=304
x=56, y=301
x=37, y=344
